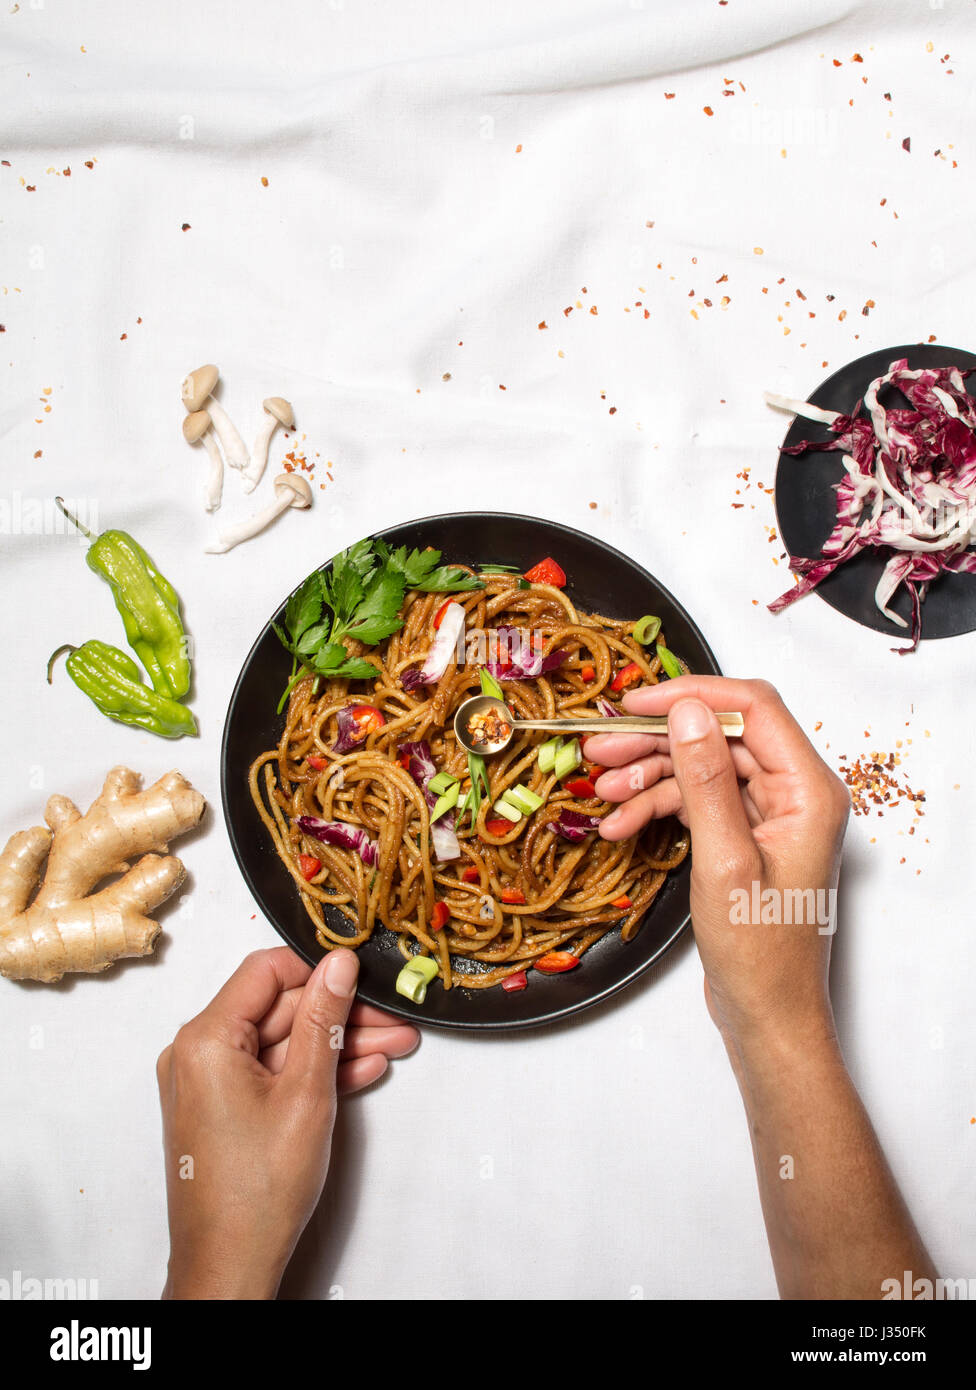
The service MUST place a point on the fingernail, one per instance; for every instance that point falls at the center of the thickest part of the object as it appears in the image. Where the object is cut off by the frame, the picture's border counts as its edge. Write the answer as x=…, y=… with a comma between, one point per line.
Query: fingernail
x=689, y=721
x=341, y=973
x=613, y=818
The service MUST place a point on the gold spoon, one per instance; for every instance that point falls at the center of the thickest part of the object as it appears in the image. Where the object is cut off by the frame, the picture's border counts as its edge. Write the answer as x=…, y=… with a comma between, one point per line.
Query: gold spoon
x=496, y=726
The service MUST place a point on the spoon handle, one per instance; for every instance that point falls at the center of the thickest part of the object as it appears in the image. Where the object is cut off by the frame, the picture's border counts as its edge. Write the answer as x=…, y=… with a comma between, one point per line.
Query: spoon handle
x=732, y=724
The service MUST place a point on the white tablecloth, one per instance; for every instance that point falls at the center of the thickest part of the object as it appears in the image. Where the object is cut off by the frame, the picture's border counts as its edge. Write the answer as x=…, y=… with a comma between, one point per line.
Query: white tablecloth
x=721, y=195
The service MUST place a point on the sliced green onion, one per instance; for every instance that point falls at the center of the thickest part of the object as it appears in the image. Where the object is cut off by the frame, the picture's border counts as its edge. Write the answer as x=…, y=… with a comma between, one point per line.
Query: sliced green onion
x=669, y=661
x=414, y=978
x=441, y=782
x=547, y=754
x=479, y=787
x=646, y=630
x=444, y=803
x=568, y=759
x=489, y=686
x=499, y=569
x=524, y=798
x=506, y=809
x=523, y=584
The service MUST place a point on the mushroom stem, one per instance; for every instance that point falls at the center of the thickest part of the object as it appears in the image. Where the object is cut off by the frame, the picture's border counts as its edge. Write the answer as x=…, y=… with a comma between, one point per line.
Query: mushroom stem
x=235, y=450
x=215, y=478
x=259, y=454
x=277, y=411
x=290, y=491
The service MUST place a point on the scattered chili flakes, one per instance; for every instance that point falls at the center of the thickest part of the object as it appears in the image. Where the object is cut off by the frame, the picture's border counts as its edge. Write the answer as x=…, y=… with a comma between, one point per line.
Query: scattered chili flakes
x=873, y=780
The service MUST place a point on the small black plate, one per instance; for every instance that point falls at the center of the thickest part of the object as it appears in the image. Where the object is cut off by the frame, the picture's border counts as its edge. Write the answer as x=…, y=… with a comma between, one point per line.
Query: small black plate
x=806, y=507
x=601, y=580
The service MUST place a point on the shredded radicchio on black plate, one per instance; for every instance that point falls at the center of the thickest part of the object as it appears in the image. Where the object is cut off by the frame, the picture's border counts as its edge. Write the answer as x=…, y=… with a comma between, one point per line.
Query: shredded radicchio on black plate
x=573, y=826
x=422, y=768
x=910, y=489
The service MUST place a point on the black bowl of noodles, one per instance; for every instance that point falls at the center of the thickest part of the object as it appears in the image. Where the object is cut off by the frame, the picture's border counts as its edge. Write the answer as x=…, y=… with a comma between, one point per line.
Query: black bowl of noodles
x=600, y=579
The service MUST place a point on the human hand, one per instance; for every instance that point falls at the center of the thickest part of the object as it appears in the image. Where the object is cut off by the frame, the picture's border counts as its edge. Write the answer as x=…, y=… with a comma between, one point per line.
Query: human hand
x=248, y=1093
x=763, y=810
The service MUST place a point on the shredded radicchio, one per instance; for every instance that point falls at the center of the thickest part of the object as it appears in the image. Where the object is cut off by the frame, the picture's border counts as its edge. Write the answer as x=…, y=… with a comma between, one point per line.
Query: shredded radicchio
x=910, y=488
x=442, y=649
x=422, y=768
x=351, y=735
x=573, y=826
x=517, y=659
x=608, y=709
x=336, y=832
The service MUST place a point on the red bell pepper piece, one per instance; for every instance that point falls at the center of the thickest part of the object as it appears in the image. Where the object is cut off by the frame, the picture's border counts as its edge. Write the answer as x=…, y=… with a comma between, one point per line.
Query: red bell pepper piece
x=555, y=962
x=315, y=761
x=309, y=866
x=588, y=672
x=471, y=874
x=440, y=916
x=498, y=826
x=627, y=675
x=517, y=981
x=581, y=787
x=547, y=572
x=513, y=895
x=622, y=902
x=594, y=770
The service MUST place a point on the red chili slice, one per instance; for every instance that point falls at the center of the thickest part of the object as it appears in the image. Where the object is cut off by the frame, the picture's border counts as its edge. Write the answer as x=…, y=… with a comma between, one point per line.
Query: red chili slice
x=440, y=916
x=439, y=615
x=498, y=826
x=315, y=761
x=513, y=895
x=622, y=902
x=309, y=866
x=628, y=675
x=581, y=787
x=588, y=672
x=471, y=874
x=517, y=981
x=555, y=962
x=547, y=572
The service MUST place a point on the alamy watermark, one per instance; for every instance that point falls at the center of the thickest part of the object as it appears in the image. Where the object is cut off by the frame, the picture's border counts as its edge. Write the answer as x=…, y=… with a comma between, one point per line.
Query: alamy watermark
x=27, y=1288
x=778, y=907
x=41, y=516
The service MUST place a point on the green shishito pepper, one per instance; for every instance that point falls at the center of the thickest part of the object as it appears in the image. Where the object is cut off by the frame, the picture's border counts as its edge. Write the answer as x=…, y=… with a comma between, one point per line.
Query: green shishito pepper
x=148, y=605
x=113, y=682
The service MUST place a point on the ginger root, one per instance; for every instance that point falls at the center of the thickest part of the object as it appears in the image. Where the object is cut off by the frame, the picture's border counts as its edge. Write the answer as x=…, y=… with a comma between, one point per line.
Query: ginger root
x=64, y=929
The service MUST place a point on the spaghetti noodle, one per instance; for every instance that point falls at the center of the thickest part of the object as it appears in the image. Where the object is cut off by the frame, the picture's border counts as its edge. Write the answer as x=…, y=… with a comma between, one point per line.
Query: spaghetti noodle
x=516, y=892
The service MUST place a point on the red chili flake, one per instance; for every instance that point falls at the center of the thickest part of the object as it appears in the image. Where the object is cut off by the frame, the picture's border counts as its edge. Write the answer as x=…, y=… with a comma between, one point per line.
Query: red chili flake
x=613, y=410
x=67, y=172
x=932, y=338
x=89, y=164
x=818, y=726
x=543, y=324
x=738, y=505
x=502, y=388
x=139, y=320
x=32, y=188
x=856, y=58
x=518, y=149
x=3, y=328
x=887, y=96
x=669, y=96
x=5, y=163
x=800, y=294
x=592, y=306
x=868, y=305
x=264, y=182
x=39, y=453
x=568, y=311
x=838, y=63
x=831, y=298
x=708, y=111
x=721, y=280
x=906, y=144
x=123, y=337
x=185, y=227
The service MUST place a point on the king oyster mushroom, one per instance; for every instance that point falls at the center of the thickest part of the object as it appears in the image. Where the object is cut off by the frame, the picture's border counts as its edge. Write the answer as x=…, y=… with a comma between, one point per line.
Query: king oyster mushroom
x=195, y=391
x=291, y=490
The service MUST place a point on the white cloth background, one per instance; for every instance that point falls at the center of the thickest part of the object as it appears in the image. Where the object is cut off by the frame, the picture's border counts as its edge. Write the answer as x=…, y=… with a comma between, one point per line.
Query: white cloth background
x=607, y=1158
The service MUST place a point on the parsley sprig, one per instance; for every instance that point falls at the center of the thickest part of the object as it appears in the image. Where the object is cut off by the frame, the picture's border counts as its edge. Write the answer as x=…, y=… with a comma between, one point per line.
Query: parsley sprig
x=359, y=596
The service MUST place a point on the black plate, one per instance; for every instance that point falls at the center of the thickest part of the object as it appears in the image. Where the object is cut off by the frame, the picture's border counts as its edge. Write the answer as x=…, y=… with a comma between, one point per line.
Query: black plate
x=806, y=507
x=601, y=580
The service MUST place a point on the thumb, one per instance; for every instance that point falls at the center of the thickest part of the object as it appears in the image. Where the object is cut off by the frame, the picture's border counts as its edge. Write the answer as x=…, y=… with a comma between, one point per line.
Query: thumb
x=317, y=1034
x=722, y=841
